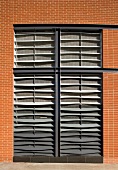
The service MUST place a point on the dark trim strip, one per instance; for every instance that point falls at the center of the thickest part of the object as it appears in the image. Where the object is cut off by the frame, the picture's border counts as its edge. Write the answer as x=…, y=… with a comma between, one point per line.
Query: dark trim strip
x=33, y=70
x=57, y=115
x=57, y=48
x=63, y=159
x=63, y=26
x=87, y=70
x=57, y=93
x=62, y=70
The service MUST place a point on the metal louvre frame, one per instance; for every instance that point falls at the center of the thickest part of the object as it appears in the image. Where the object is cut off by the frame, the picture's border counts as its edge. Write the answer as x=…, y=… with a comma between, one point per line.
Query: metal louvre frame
x=80, y=49
x=34, y=94
x=34, y=49
x=80, y=115
x=57, y=103
x=34, y=115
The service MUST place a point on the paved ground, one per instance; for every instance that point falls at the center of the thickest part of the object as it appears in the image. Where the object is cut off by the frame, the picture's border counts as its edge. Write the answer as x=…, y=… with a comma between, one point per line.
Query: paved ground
x=56, y=166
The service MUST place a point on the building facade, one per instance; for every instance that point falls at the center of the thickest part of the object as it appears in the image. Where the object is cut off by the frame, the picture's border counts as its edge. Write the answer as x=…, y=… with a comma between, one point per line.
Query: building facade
x=67, y=51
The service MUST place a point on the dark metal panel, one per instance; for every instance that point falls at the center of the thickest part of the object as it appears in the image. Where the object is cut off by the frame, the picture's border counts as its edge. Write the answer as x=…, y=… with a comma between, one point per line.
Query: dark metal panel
x=41, y=71
x=63, y=26
x=87, y=70
x=63, y=159
x=74, y=70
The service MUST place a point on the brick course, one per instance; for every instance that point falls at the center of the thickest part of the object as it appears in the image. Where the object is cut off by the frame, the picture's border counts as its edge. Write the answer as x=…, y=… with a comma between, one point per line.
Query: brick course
x=59, y=12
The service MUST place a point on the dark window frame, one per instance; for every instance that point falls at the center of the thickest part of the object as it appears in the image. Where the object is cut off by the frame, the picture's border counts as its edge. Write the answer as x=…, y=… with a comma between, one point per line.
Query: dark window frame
x=57, y=70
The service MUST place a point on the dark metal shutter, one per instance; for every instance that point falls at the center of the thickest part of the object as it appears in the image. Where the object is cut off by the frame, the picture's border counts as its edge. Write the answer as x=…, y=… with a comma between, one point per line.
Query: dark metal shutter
x=34, y=94
x=34, y=49
x=80, y=49
x=57, y=111
x=80, y=115
x=80, y=95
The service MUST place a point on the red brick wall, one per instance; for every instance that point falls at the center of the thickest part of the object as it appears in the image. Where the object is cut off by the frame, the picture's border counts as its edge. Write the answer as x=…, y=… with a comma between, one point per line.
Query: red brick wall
x=58, y=11
x=110, y=48
x=110, y=117
x=110, y=97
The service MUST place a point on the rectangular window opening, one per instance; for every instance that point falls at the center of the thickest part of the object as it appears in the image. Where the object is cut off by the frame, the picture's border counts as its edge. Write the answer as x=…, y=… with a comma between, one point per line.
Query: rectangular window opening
x=57, y=113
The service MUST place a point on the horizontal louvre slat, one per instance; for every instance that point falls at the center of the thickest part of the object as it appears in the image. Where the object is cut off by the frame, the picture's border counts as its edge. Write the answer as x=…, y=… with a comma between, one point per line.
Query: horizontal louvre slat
x=33, y=104
x=80, y=109
x=78, y=134
x=78, y=91
x=81, y=143
x=28, y=41
x=92, y=129
x=80, y=97
x=27, y=142
x=46, y=129
x=34, y=61
x=39, y=135
x=80, y=46
x=79, y=59
x=32, y=148
x=72, y=39
x=45, y=120
x=36, y=109
x=31, y=154
x=74, y=125
x=77, y=120
x=77, y=151
x=37, y=47
x=82, y=77
x=41, y=97
x=81, y=114
x=80, y=147
x=34, y=85
x=79, y=53
x=36, y=114
x=28, y=54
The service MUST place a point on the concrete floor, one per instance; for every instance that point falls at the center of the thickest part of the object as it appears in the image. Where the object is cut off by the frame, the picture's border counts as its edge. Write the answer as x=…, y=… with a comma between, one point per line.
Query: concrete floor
x=57, y=166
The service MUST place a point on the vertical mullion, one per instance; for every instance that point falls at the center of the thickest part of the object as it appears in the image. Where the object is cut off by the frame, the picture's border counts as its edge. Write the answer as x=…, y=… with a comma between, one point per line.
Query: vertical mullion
x=57, y=94
x=34, y=48
x=57, y=49
x=101, y=59
x=15, y=51
x=80, y=43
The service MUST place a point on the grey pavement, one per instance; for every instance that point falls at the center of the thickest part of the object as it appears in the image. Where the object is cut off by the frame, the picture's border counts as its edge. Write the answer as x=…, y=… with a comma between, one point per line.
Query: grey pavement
x=57, y=166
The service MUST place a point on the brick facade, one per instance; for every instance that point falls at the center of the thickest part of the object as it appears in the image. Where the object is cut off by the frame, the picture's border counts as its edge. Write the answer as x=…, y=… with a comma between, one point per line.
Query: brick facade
x=59, y=12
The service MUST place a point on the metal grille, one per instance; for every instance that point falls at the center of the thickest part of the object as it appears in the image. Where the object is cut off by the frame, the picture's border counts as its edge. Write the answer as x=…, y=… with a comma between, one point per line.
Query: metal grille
x=80, y=115
x=34, y=94
x=57, y=112
x=34, y=49
x=80, y=49
x=34, y=115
